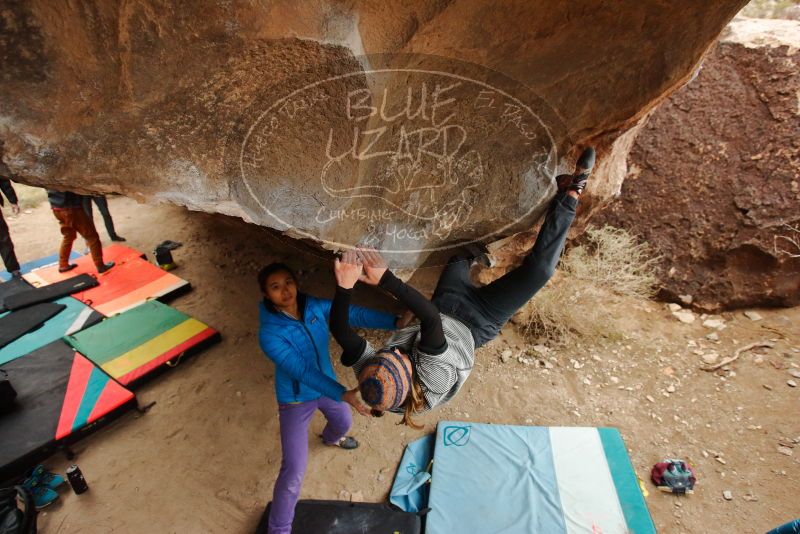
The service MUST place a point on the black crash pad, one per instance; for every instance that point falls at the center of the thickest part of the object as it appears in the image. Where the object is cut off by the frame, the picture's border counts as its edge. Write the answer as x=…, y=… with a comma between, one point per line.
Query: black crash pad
x=17, y=324
x=344, y=517
x=50, y=292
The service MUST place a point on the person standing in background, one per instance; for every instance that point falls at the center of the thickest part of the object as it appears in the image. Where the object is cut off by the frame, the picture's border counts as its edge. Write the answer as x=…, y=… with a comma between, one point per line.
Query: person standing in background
x=69, y=209
x=102, y=205
x=6, y=245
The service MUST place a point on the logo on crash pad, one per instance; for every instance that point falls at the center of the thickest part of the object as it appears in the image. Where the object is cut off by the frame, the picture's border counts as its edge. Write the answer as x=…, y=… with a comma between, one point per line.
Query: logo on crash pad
x=457, y=436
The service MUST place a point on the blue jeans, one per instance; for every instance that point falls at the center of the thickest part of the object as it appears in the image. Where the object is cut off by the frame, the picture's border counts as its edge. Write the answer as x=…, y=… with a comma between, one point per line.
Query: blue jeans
x=484, y=310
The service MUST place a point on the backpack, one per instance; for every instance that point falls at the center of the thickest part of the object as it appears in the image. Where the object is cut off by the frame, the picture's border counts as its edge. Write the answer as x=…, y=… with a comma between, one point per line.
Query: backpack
x=14, y=520
x=673, y=475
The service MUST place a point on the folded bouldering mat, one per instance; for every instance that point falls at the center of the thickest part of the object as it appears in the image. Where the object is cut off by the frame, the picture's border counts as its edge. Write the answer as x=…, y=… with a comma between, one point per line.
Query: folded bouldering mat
x=60, y=396
x=128, y=284
x=74, y=317
x=526, y=479
x=412, y=481
x=50, y=292
x=10, y=288
x=28, y=266
x=14, y=325
x=344, y=517
x=132, y=344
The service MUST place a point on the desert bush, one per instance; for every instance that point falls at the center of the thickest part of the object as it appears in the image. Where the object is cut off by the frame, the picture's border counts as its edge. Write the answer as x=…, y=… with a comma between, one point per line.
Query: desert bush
x=771, y=9
x=610, y=265
x=29, y=197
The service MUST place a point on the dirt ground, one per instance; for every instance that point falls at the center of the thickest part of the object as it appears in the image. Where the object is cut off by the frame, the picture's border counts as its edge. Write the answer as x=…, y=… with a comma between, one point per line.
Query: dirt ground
x=205, y=457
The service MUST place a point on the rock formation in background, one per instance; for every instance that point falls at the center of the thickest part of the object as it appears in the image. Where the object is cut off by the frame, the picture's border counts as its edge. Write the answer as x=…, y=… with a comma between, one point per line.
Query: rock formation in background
x=713, y=175
x=413, y=126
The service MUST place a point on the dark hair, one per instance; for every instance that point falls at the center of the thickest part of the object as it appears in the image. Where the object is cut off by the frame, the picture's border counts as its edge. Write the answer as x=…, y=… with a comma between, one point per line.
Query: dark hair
x=271, y=269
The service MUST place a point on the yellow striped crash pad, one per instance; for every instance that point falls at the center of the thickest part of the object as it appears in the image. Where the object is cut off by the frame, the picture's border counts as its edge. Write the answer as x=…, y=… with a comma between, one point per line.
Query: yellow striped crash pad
x=134, y=343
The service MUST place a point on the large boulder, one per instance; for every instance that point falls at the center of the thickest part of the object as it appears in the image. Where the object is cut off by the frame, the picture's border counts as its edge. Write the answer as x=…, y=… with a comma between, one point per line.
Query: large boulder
x=413, y=126
x=713, y=175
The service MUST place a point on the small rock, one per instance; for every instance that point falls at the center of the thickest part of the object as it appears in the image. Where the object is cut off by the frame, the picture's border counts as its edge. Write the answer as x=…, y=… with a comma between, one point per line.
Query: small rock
x=717, y=324
x=721, y=460
x=344, y=495
x=753, y=315
x=357, y=496
x=749, y=497
x=727, y=495
x=686, y=299
x=684, y=316
x=795, y=372
x=650, y=398
x=506, y=355
x=238, y=393
x=614, y=379
x=541, y=349
x=786, y=451
x=767, y=387
x=710, y=358
x=791, y=383
x=674, y=307
x=670, y=389
x=713, y=336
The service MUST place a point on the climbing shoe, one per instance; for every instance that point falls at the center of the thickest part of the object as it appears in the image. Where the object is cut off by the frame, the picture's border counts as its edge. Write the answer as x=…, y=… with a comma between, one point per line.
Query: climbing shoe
x=583, y=168
x=42, y=495
x=51, y=480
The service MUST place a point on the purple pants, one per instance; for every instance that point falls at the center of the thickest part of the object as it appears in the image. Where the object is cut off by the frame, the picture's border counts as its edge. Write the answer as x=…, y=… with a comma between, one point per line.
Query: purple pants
x=294, y=419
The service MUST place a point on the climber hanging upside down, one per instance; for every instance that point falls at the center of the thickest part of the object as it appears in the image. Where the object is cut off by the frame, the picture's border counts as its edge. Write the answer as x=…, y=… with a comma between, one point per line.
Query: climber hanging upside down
x=424, y=366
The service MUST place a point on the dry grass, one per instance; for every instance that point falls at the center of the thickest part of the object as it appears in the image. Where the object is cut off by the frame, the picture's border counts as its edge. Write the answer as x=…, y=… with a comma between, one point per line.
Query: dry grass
x=769, y=9
x=609, y=267
x=29, y=197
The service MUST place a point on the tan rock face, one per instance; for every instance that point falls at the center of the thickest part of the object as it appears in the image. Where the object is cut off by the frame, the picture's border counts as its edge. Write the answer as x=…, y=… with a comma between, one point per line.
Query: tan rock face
x=714, y=175
x=412, y=127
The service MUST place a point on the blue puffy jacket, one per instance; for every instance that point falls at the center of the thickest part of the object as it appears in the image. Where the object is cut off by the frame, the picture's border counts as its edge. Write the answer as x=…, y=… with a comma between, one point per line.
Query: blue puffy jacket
x=303, y=369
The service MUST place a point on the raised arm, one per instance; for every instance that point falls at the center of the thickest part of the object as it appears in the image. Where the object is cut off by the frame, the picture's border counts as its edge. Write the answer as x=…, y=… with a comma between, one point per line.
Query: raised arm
x=347, y=271
x=361, y=317
x=377, y=273
x=352, y=344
